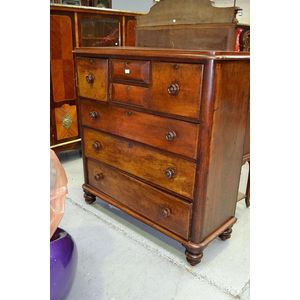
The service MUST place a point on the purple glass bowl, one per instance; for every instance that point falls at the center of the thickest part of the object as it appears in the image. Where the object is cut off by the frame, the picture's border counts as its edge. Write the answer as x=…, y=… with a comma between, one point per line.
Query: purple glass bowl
x=63, y=263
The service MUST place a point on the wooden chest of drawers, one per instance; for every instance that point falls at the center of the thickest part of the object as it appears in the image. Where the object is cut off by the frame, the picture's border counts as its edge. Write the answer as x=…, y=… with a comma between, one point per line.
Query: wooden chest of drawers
x=163, y=134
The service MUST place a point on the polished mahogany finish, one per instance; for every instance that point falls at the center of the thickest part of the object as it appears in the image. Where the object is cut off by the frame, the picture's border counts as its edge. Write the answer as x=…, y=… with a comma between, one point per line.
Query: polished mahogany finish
x=92, y=78
x=160, y=207
x=71, y=27
x=172, y=157
x=164, y=133
x=144, y=162
x=131, y=70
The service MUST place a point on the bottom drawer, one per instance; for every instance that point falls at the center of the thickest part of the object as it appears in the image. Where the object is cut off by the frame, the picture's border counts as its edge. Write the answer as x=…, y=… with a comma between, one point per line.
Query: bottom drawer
x=157, y=206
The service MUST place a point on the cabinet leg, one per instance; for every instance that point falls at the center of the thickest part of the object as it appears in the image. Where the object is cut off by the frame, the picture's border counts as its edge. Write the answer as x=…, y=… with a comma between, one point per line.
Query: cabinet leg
x=89, y=198
x=226, y=234
x=247, y=198
x=193, y=257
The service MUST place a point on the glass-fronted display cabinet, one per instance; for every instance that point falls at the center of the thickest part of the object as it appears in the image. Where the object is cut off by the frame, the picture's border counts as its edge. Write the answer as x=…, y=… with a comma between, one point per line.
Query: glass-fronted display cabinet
x=99, y=31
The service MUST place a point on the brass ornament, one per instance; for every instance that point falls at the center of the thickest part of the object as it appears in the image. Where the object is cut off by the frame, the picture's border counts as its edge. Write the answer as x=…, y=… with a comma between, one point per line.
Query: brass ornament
x=67, y=121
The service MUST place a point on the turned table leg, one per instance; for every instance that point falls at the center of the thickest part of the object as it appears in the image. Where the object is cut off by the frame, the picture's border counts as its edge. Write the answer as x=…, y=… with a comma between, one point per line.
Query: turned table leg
x=89, y=198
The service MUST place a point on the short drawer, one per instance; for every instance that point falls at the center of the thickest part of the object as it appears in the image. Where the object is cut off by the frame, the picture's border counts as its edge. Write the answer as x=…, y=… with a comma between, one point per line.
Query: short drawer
x=131, y=70
x=167, y=134
x=166, y=170
x=92, y=77
x=130, y=94
x=176, y=88
x=157, y=206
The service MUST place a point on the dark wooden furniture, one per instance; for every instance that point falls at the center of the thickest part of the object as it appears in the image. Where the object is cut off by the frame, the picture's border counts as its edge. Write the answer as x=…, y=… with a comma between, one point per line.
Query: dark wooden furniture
x=163, y=134
x=192, y=24
x=196, y=24
x=71, y=27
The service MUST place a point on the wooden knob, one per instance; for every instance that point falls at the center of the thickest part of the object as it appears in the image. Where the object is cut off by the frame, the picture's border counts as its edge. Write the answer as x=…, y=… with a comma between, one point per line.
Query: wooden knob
x=96, y=146
x=169, y=173
x=99, y=176
x=93, y=115
x=90, y=78
x=170, y=136
x=165, y=212
x=173, y=89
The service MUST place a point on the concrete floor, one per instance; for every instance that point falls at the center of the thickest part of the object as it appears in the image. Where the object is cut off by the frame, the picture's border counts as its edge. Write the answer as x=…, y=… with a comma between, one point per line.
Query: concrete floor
x=120, y=258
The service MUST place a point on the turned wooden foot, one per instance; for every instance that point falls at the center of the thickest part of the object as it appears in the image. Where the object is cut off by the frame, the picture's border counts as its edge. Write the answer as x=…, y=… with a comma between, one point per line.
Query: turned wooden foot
x=193, y=258
x=226, y=234
x=89, y=198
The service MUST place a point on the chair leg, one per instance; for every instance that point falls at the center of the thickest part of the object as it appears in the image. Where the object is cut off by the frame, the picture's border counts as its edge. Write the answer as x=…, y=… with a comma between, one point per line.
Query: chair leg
x=247, y=198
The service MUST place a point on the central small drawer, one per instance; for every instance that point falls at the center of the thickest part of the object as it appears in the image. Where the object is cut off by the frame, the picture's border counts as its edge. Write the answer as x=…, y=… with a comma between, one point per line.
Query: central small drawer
x=166, y=170
x=131, y=70
x=157, y=206
x=167, y=134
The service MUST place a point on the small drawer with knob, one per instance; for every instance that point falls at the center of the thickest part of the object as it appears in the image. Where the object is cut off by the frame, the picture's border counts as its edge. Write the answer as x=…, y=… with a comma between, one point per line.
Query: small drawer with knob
x=130, y=70
x=92, y=78
x=159, y=207
x=152, y=165
x=175, y=136
x=176, y=88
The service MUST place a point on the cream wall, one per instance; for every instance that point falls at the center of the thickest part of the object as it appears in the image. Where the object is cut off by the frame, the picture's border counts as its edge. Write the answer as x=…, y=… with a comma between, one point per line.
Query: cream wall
x=244, y=4
x=132, y=5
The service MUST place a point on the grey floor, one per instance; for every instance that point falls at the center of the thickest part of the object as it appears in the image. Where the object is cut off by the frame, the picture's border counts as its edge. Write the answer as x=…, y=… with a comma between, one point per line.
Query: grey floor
x=120, y=258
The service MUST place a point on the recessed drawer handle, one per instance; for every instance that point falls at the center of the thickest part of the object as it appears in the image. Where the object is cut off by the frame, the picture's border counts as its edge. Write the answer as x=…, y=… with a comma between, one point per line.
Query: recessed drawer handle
x=96, y=146
x=93, y=115
x=99, y=176
x=165, y=212
x=170, y=136
x=169, y=173
x=173, y=89
x=90, y=78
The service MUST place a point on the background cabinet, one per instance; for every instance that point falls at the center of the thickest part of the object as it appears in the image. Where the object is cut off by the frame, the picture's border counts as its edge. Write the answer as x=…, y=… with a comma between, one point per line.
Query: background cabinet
x=72, y=27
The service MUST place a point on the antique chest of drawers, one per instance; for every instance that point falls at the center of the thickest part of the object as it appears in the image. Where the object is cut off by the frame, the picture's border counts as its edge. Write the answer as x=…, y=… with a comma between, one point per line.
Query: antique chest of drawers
x=163, y=134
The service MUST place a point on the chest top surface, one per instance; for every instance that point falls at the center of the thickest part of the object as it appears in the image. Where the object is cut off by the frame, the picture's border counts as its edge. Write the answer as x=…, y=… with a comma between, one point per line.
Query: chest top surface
x=193, y=55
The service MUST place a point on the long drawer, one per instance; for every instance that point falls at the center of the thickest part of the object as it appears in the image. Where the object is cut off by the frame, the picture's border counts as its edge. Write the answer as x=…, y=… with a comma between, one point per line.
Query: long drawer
x=176, y=136
x=166, y=170
x=159, y=207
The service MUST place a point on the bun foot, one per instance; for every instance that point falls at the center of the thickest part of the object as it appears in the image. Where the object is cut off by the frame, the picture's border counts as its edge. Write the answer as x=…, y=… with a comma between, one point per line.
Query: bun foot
x=226, y=234
x=193, y=258
x=89, y=198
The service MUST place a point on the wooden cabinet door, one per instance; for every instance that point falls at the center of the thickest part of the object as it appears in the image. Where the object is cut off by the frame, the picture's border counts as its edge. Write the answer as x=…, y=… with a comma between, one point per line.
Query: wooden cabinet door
x=61, y=58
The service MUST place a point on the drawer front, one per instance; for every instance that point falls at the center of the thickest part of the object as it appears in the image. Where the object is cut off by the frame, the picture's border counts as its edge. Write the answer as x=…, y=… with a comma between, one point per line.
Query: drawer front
x=161, y=208
x=130, y=94
x=168, y=171
x=132, y=70
x=176, y=88
x=167, y=134
x=92, y=77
